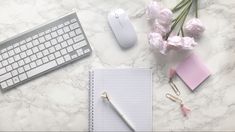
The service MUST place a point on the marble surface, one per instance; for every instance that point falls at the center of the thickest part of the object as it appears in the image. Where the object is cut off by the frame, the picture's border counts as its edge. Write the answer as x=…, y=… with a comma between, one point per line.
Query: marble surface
x=59, y=100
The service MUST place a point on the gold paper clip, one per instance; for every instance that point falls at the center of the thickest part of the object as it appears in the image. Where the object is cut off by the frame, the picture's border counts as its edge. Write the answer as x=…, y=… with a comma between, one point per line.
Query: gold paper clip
x=174, y=87
x=173, y=98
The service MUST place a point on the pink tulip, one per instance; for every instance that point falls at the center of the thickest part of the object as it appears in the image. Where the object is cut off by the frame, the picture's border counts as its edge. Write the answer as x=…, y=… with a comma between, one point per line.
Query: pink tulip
x=153, y=10
x=188, y=43
x=157, y=27
x=165, y=17
x=194, y=27
x=157, y=43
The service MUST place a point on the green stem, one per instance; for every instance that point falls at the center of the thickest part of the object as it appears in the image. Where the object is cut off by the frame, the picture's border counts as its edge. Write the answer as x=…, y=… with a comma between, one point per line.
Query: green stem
x=182, y=31
x=184, y=18
x=179, y=6
x=196, y=5
x=184, y=12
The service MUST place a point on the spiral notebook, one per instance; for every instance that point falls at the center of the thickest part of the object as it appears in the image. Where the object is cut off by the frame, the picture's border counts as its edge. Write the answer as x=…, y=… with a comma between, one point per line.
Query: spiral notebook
x=130, y=90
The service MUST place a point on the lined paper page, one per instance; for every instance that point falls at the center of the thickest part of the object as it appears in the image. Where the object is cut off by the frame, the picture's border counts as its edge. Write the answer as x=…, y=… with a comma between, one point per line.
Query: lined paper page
x=131, y=91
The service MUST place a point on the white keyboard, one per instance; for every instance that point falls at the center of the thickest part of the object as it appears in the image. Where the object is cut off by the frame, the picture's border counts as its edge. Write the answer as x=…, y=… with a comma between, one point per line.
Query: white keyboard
x=42, y=49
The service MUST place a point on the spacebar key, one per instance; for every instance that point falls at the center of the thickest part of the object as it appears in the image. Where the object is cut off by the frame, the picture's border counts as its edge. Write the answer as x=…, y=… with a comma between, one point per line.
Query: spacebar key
x=41, y=68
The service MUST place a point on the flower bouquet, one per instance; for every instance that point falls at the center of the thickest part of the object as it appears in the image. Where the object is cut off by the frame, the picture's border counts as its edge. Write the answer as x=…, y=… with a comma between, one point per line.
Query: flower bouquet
x=169, y=30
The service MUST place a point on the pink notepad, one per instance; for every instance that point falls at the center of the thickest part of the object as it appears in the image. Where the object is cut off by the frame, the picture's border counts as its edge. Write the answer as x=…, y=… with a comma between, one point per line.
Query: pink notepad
x=192, y=71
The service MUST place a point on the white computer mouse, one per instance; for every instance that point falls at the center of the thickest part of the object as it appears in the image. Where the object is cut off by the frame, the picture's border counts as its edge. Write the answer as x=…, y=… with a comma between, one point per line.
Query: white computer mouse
x=122, y=28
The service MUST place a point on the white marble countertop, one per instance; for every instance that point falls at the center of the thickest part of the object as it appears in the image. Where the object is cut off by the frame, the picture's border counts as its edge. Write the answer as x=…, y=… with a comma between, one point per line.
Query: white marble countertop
x=59, y=100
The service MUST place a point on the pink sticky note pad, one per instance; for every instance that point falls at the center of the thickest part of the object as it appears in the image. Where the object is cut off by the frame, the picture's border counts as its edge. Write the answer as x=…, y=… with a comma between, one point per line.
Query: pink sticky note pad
x=192, y=71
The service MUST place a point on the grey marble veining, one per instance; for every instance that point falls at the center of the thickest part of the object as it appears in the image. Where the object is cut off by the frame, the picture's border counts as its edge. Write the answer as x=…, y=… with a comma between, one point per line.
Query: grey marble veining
x=59, y=100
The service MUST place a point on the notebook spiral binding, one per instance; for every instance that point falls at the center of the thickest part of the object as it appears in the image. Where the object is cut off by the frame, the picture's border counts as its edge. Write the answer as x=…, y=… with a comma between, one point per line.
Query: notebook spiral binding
x=91, y=100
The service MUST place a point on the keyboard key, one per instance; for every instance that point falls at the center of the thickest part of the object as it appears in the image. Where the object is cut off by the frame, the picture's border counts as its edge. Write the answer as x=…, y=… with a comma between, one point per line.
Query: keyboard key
x=58, y=47
x=9, y=82
x=9, y=68
x=41, y=47
x=14, y=72
x=60, y=31
x=21, y=69
x=54, y=28
x=33, y=57
x=48, y=37
x=73, y=20
x=60, y=39
x=2, y=71
x=78, y=31
x=51, y=57
x=63, y=51
x=11, y=53
x=26, y=67
x=10, y=60
x=73, y=26
x=67, y=23
x=32, y=64
x=27, y=60
x=3, y=85
x=5, y=62
x=45, y=59
x=60, y=60
x=57, y=54
x=23, y=48
x=72, y=34
x=53, y=41
x=66, y=36
x=41, y=68
x=51, y=49
x=64, y=44
x=54, y=34
x=70, y=41
x=80, y=52
x=47, y=31
x=39, y=55
x=15, y=79
x=22, y=42
x=5, y=55
x=28, y=39
x=73, y=56
x=22, y=77
x=69, y=49
x=10, y=47
x=35, y=42
x=42, y=40
x=67, y=57
x=60, y=26
x=41, y=34
x=66, y=29
x=16, y=45
x=21, y=63
x=47, y=44
x=87, y=50
x=28, y=52
x=78, y=38
x=35, y=49
x=5, y=76
x=35, y=36
x=15, y=65
x=17, y=57
x=45, y=52
x=39, y=62
x=17, y=50
x=29, y=45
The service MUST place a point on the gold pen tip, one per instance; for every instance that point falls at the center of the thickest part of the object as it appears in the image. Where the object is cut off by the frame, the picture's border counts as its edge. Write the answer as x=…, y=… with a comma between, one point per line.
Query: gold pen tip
x=104, y=95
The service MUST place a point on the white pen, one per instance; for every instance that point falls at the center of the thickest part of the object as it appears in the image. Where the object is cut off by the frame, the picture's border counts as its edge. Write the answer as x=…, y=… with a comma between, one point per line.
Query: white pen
x=106, y=97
